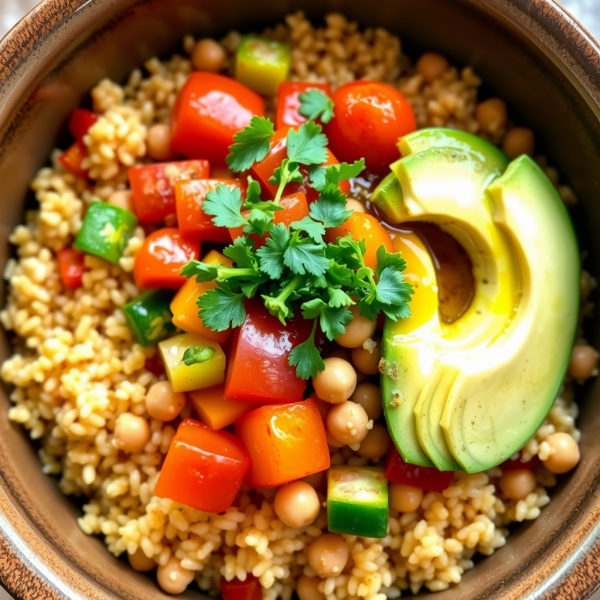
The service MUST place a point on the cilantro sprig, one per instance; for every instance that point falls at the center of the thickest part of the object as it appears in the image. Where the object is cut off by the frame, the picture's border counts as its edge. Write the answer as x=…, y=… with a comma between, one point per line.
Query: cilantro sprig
x=315, y=104
x=295, y=271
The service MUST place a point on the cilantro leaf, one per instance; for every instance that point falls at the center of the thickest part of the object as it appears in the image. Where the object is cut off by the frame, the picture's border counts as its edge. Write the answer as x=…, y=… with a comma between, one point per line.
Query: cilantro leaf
x=313, y=229
x=306, y=357
x=330, y=207
x=201, y=271
x=307, y=146
x=259, y=222
x=345, y=170
x=251, y=144
x=197, y=354
x=389, y=259
x=221, y=309
x=367, y=310
x=287, y=171
x=332, y=320
x=399, y=311
x=338, y=298
x=304, y=256
x=315, y=104
x=241, y=253
x=271, y=254
x=252, y=193
x=279, y=305
x=224, y=204
x=392, y=289
x=317, y=177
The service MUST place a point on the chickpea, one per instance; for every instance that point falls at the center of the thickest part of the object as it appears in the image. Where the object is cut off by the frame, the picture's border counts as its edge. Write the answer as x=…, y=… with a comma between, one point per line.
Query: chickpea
x=337, y=382
x=517, y=141
x=432, y=66
x=208, y=55
x=348, y=422
x=328, y=555
x=158, y=142
x=491, y=115
x=122, y=199
x=307, y=588
x=131, y=433
x=584, y=362
x=376, y=443
x=367, y=360
x=357, y=331
x=297, y=504
x=140, y=562
x=368, y=395
x=566, y=453
x=163, y=403
x=173, y=578
x=517, y=485
x=404, y=498
x=355, y=205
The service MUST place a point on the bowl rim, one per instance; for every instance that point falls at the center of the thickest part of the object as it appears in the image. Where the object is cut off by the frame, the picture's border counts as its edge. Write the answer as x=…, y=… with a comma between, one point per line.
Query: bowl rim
x=543, y=22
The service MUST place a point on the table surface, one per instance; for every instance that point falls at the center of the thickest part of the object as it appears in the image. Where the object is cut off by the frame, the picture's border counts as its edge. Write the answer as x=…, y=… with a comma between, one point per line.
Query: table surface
x=587, y=11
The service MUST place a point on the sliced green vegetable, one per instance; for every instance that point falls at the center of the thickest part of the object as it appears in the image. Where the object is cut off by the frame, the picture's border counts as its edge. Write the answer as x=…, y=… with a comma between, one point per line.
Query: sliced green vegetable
x=262, y=64
x=149, y=316
x=105, y=231
x=197, y=354
x=357, y=501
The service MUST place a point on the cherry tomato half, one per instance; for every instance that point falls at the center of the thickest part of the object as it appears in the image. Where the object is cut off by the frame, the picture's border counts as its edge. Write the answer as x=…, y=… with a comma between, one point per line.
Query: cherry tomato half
x=162, y=256
x=369, y=119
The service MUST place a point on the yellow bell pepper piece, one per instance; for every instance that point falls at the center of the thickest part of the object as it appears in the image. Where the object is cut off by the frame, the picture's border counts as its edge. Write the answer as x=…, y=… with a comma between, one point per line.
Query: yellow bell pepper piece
x=217, y=411
x=185, y=308
x=185, y=378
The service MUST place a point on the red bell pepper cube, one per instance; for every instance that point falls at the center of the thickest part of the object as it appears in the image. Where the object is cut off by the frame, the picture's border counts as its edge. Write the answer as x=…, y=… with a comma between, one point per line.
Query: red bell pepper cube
x=71, y=267
x=191, y=219
x=295, y=208
x=288, y=101
x=263, y=170
x=203, y=468
x=285, y=442
x=153, y=187
x=161, y=257
x=425, y=478
x=80, y=122
x=241, y=590
x=209, y=110
x=258, y=369
x=72, y=158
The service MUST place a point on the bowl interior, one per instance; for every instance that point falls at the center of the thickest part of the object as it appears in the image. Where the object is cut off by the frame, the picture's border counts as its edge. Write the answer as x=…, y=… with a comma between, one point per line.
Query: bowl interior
x=53, y=70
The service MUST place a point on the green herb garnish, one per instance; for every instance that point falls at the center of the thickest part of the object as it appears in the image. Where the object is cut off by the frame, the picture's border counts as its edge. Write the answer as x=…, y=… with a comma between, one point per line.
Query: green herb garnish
x=314, y=105
x=295, y=271
x=197, y=354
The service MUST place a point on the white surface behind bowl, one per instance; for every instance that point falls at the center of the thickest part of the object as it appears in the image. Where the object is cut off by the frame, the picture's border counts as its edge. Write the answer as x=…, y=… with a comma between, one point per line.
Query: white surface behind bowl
x=587, y=11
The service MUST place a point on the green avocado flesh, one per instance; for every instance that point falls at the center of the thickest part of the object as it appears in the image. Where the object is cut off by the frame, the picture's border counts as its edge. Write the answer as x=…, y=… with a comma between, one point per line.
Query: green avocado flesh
x=470, y=394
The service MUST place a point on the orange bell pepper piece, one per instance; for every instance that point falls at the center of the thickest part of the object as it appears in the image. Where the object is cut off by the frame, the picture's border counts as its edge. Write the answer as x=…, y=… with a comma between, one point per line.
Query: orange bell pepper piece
x=184, y=305
x=215, y=410
x=362, y=226
x=285, y=442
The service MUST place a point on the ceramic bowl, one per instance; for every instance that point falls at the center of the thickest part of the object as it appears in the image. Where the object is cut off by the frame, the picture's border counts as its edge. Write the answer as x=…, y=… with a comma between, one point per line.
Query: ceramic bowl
x=530, y=52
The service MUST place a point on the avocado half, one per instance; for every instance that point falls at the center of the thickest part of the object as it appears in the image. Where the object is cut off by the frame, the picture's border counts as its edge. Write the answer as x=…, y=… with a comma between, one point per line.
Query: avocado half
x=470, y=394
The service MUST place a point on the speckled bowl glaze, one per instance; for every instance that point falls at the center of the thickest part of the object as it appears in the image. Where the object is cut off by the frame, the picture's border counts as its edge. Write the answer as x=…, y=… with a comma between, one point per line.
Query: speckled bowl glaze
x=528, y=51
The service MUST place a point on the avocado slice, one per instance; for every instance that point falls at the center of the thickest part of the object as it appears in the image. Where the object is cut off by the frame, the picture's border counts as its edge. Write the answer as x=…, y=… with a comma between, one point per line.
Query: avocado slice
x=502, y=396
x=387, y=197
x=433, y=388
x=444, y=186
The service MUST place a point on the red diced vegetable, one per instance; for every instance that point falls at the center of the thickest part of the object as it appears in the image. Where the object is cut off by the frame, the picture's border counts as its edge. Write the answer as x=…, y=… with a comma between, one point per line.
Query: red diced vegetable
x=425, y=478
x=153, y=187
x=519, y=463
x=285, y=442
x=241, y=590
x=210, y=109
x=203, y=468
x=258, y=369
x=80, y=122
x=263, y=170
x=72, y=158
x=191, y=219
x=288, y=101
x=71, y=267
x=162, y=256
x=295, y=208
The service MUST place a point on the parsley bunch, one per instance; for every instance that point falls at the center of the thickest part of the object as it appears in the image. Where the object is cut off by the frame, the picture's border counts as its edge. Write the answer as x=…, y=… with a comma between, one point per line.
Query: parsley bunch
x=295, y=270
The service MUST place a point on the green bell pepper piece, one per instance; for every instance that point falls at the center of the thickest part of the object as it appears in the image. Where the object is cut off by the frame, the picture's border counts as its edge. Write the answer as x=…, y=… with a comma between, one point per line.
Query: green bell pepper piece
x=149, y=316
x=105, y=231
x=357, y=501
x=262, y=64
